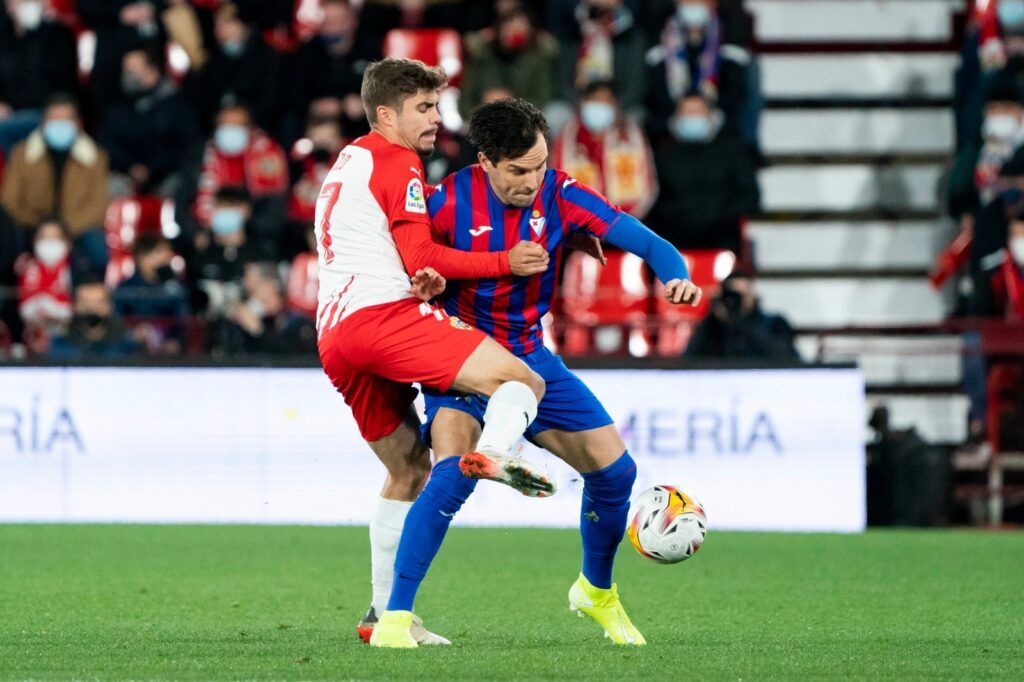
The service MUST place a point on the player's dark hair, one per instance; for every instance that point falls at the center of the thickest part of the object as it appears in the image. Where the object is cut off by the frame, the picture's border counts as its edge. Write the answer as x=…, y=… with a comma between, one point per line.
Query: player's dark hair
x=506, y=129
x=391, y=81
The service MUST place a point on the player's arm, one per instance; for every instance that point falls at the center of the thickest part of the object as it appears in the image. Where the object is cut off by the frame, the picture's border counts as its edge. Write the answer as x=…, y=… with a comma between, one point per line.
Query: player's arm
x=629, y=234
x=419, y=251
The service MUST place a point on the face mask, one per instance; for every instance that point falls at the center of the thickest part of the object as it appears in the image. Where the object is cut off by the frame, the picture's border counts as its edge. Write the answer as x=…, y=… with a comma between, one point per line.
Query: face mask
x=233, y=48
x=515, y=41
x=1016, y=247
x=231, y=139
x=29, y=15
x=132, y=84
x=694, y=16
x=597, y=116
x=165, y=273
x=93, y=320
x=60, y=134
x=51, y=251
x=227, y=220
x=1000, y=126
x=691, y=128
x=1011, y=13
x=330, y=40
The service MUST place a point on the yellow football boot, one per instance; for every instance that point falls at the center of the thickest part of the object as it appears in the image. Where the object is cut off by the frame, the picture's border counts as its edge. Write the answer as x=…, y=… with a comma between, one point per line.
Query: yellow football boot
x=394, y=631
x=604, y=607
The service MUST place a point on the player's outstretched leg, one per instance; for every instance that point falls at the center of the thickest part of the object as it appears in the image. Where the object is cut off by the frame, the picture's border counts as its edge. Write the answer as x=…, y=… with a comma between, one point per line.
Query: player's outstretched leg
x=425, y=528
x=602, y=524
x=513, y=391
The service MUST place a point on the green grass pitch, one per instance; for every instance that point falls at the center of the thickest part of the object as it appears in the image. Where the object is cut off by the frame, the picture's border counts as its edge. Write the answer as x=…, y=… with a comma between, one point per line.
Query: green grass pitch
x=254, y=602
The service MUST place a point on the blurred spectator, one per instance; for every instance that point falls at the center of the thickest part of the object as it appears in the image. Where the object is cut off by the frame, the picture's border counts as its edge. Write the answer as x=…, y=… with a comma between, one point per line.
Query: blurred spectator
x=513, y=56
x=312, y=157
x=215, y=267
x=241, y=67
x=37, y=60
x=119, y=25
x=243, y=155
x=149, y=133
x=44, y=280
x=606, y=149
x=708, y=182
x=59, y=171
x=95, y=331
x=693, y=57
x=304, y=279
x=600, y=40
x=331, y=64
x=737, y=328
x=974, y=179
x=260, y=324
x=1001, y=293
x=380, y=16
x=153, y=290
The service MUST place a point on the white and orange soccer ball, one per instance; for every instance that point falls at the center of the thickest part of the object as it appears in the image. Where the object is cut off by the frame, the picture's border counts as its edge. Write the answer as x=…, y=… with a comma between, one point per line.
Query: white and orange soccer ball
x=668, y=525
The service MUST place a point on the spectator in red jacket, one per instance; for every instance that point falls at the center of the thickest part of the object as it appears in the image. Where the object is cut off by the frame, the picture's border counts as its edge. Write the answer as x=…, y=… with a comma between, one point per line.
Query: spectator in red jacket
x=44, y=279
x=1008, y=278
x=241, y=154
x=606, y=149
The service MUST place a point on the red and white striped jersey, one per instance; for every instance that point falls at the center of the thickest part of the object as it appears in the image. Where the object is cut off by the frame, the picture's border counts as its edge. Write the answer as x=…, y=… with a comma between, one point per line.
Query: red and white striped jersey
x=373, y=186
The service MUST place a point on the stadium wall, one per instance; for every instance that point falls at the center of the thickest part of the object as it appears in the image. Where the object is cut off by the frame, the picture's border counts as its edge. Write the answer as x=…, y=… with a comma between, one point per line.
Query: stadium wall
x=762, y=449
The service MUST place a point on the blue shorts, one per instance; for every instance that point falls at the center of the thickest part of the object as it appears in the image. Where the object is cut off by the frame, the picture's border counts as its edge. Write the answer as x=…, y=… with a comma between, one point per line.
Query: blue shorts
x=568, y=405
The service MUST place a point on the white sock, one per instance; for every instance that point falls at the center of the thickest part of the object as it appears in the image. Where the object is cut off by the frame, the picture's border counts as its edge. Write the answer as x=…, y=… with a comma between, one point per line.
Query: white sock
x=385, y=532
x=510, y=410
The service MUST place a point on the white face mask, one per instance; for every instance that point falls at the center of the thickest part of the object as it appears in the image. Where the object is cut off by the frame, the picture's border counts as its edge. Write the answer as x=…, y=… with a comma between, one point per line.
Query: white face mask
x=29, y=14
x=51, y=251
x=1001, y=127
x=1016, y=247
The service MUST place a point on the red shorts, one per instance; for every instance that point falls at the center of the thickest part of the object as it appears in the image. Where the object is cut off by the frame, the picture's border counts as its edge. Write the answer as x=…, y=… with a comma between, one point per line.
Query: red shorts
x=375, y=355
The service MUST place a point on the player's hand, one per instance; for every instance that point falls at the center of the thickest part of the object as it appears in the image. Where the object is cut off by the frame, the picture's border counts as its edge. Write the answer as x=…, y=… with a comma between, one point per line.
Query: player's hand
x=588, y=244
x=426, y=284
x=682, y=291
x=528, y=258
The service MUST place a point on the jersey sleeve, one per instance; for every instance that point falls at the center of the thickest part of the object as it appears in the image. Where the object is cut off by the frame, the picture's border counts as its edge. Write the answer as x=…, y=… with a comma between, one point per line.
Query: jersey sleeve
x=584, y=208
x=397, y=184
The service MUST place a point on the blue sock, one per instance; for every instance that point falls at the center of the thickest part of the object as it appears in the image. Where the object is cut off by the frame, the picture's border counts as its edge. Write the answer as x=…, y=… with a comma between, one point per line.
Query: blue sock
x=425, y=527
x=603, y=517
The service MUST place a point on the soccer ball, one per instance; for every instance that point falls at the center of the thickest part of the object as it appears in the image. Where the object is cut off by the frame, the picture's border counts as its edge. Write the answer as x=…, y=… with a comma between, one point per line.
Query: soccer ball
x=668, y=525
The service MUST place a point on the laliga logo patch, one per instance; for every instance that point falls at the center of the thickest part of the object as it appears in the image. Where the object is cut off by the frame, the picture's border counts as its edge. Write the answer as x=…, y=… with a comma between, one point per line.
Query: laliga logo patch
x=458, y=324
x=537, y=222
x=414, y=202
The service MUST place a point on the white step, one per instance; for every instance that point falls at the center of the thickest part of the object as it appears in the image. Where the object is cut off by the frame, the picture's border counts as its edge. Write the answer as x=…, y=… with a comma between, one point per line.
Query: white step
x=810, y=302
x=838, y=245
x=830, y=21
x=850, y=187
x=868, y=75
x=938, y=418
x=890, y=360
x=858, y=131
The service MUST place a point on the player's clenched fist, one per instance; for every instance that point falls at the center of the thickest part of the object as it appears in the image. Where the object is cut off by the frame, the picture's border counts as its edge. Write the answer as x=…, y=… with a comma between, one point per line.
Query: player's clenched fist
x=682, y=291
x=426, y=284
x=528, y=258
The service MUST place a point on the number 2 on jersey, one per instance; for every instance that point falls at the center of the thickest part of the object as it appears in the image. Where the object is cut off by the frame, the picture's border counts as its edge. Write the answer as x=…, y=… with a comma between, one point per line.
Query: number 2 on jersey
x=331, y=191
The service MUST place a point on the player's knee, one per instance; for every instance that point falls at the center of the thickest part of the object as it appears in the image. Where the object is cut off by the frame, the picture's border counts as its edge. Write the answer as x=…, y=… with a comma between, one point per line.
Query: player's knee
x=534, y=381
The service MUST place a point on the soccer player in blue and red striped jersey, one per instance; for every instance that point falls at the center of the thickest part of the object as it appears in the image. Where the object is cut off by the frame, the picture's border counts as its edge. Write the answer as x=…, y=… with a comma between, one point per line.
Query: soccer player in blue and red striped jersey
x=511, y=196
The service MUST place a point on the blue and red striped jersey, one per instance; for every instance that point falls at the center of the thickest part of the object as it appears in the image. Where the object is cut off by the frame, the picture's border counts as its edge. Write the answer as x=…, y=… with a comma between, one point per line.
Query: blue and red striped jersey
x=467, y=215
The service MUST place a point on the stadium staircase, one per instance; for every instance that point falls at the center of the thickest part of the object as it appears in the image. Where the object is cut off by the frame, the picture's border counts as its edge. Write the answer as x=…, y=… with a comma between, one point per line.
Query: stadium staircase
x=857, y=131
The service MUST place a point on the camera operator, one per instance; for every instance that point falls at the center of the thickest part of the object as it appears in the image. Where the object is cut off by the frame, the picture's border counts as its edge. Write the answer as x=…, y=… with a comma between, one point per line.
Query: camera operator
x=737, y=327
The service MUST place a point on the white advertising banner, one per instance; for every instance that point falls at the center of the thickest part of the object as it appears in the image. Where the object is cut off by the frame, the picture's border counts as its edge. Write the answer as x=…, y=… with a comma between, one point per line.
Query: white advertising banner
x=761, y=449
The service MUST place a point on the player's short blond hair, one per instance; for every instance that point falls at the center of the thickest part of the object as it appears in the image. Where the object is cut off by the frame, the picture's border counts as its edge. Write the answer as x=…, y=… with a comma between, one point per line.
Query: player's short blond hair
x=391, y=81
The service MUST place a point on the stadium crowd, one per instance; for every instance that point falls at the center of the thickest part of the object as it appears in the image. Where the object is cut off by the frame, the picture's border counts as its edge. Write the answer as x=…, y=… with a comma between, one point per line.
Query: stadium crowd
x=160, y=160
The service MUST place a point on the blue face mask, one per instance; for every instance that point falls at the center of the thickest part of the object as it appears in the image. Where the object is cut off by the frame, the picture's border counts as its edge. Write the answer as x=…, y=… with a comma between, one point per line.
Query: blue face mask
x=691, y=128
x=1011, y=13
x=60, y=134
x=696, y=16
x=231, y=139
x=233, y=48
x=597, y=117
x=227, y=220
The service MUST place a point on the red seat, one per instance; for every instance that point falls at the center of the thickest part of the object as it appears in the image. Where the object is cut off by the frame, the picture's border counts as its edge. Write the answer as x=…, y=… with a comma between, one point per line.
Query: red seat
x=676, y=323
x=432, y=46
x=605, y=309
x=303, y=282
